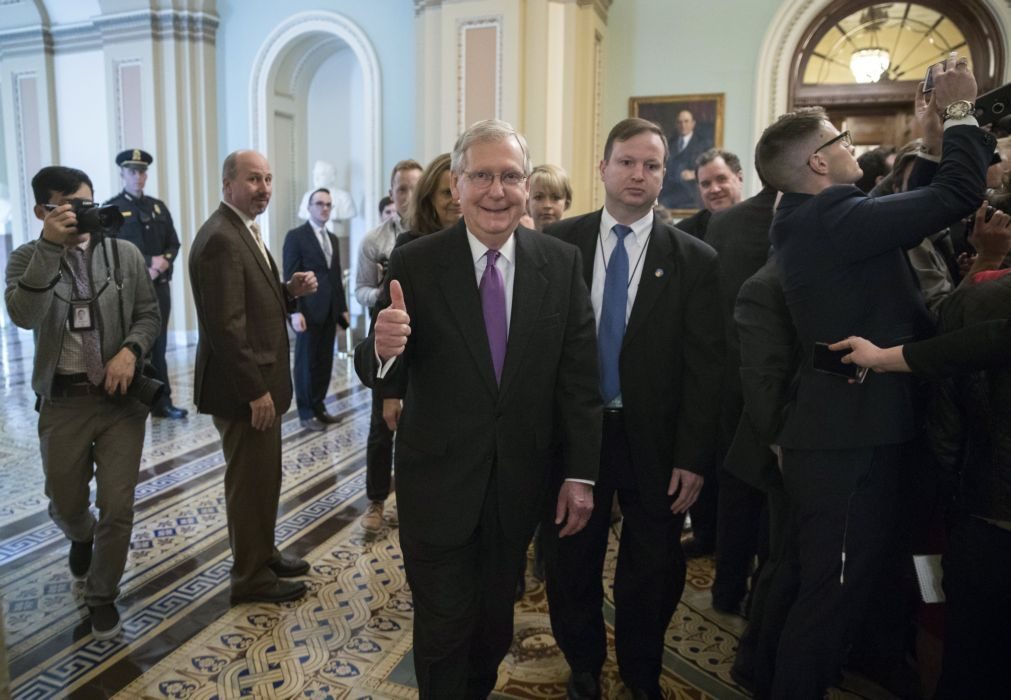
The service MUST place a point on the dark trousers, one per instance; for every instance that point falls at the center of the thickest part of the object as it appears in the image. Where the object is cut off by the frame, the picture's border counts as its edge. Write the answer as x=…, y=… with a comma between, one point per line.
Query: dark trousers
x=738, y=527
x=252, y=492
x=164, y=296
x=844, y=507
x=977, y=611
x=378, y=453
x=773, y=593
x=313, y=365
x=463, y=606
x=648, y=581
x=704, y=511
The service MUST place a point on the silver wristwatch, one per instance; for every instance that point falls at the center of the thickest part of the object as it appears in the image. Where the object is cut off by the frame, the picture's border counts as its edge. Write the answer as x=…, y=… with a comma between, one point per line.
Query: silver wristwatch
x=958, y=109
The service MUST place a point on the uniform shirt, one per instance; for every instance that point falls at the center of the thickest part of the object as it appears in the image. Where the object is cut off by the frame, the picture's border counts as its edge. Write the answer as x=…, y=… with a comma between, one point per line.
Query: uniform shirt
x=147, y=224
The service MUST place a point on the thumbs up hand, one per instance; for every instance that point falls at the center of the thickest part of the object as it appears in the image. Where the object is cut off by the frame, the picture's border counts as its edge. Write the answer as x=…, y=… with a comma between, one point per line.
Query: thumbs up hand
x=393, y=325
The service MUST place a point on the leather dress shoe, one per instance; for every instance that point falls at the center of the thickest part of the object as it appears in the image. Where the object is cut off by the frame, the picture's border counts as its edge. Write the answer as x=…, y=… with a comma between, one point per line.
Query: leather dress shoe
x=313, y=424
x=582, y=685
x=170, y=411
x=279, y=592
x=323, y=417
x=289, y=566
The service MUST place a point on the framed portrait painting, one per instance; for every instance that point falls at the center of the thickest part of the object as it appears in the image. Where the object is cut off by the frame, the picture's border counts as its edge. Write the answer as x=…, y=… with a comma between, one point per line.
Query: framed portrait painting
x=693, y=124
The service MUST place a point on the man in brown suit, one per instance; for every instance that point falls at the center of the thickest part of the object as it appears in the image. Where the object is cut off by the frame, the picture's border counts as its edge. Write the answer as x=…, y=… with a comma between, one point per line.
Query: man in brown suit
x=242, y=373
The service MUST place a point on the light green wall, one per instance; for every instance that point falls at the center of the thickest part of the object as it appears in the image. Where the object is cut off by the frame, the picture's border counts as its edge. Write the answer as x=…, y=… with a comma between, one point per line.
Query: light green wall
x=389, y=25
x=672, y=47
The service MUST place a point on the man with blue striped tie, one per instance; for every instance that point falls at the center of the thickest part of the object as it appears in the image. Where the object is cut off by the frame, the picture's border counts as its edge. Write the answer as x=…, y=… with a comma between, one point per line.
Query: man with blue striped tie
x=660, y=344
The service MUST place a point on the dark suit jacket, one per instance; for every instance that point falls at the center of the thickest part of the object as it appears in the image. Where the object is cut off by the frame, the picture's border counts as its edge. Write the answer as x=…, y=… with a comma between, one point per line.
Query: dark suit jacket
x=768, y=359
x=459, y=429
x=740, y=236
x=671, y=356
x=678, y=193
x=242, y=312
x=844, y=273
x=302, y=253
x=696, y=224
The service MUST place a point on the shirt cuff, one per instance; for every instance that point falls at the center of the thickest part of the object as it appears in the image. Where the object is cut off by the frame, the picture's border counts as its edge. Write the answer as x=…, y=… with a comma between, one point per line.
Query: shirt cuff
x=384, y=367
x=968, y=120
x=583, y=481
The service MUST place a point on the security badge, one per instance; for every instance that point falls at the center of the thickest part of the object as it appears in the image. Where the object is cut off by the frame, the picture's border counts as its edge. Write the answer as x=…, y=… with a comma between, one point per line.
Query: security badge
x=82, y=317
x=157, y=209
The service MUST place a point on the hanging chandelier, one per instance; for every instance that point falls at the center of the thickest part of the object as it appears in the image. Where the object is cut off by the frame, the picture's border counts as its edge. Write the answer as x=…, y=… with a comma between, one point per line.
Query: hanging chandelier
x=868, y=65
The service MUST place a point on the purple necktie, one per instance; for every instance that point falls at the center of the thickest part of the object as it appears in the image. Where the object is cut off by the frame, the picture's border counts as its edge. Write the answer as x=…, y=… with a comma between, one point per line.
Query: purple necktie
x=493, y=305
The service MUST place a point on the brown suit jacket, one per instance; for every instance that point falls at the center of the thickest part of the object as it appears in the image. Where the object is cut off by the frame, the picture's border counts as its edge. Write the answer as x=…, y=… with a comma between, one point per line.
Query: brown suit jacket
x=242, y=312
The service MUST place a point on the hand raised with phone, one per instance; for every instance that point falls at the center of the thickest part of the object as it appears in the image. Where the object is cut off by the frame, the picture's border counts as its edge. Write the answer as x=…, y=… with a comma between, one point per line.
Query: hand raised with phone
x=952, y=81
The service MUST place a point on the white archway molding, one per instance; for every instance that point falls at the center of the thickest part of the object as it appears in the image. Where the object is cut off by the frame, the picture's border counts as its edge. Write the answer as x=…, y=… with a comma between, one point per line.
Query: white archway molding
x=274, y=50
x=772, y=78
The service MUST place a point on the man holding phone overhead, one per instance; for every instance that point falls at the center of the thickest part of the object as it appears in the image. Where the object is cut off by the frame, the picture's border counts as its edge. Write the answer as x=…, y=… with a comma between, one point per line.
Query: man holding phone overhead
x=843, y=270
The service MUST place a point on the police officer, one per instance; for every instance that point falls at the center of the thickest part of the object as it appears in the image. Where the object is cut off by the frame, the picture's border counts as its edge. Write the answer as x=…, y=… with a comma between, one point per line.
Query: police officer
x=148, y=225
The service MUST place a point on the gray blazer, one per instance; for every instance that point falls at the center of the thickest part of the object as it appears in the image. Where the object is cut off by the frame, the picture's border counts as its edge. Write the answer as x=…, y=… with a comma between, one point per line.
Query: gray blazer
x=34, y=302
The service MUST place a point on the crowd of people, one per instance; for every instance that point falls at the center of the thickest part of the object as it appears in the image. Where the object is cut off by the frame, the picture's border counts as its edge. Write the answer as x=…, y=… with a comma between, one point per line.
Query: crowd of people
x=533, y=374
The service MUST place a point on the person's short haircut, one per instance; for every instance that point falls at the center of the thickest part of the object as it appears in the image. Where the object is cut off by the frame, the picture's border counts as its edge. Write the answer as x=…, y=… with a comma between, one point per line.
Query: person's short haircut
x=316, y=192
x=629, y=128
x=384, y=202
x=58, y=178
x=780, y=152
x=422, y=217
x=707, y=157
x=403, y=166
x=487, y=131
x=874, y=165
x=552, y=179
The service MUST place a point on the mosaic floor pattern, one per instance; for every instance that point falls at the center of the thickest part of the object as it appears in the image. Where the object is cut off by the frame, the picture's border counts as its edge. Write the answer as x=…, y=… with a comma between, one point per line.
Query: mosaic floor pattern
x=349, y=638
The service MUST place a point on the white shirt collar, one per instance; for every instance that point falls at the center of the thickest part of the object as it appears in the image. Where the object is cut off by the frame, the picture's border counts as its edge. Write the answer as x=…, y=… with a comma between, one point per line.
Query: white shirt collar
x=640, y=228
x=478, y=249
x=242, y=215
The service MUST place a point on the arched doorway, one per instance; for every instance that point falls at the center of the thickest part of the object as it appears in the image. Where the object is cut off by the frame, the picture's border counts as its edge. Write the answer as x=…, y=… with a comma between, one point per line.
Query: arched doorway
x=862, y=60
x=315, y=96
x=781, y=79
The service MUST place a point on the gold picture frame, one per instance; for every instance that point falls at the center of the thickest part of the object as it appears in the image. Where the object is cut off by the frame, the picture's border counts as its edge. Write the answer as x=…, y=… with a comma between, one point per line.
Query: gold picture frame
x=680, y=193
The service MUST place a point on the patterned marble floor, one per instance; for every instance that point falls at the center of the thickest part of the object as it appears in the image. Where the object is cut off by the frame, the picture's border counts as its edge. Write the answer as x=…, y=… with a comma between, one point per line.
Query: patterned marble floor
x=350, y=638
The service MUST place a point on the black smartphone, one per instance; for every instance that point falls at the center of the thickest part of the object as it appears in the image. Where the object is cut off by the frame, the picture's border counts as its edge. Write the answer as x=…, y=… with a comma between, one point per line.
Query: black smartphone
x=994, y=106
x=830, y=362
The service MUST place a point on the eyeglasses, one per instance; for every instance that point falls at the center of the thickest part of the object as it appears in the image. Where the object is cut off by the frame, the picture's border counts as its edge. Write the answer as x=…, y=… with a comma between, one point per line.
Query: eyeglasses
x=844, y=137
x=483, y=180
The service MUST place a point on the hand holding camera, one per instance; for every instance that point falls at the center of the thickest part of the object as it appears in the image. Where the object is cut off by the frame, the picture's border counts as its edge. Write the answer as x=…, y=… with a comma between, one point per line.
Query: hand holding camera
x=60, y=226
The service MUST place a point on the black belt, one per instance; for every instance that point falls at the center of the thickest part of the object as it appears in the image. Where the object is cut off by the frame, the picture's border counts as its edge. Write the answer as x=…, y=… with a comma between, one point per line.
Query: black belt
x=66, y=385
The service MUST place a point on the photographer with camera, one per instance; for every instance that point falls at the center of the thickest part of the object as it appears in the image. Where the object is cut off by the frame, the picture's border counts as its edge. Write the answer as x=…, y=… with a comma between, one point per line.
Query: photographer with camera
x=88, y=298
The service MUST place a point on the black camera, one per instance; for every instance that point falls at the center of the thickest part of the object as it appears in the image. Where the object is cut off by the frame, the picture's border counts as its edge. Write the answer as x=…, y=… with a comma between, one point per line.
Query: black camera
x=92, y=218
x=145, y=389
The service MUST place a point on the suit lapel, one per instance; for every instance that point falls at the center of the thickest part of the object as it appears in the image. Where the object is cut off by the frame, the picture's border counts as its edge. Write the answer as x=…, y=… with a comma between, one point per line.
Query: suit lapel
x=269, y=270
x=658, y=269
x=529, y=286
x=459, y=288
x=586, y=240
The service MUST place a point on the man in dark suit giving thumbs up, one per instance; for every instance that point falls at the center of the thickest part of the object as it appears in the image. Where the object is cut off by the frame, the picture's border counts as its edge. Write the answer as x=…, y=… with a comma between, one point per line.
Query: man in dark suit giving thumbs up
x=490, y=338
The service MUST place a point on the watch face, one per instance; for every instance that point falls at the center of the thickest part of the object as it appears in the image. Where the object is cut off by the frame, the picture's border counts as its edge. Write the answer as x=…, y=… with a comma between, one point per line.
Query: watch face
x=957, y=110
